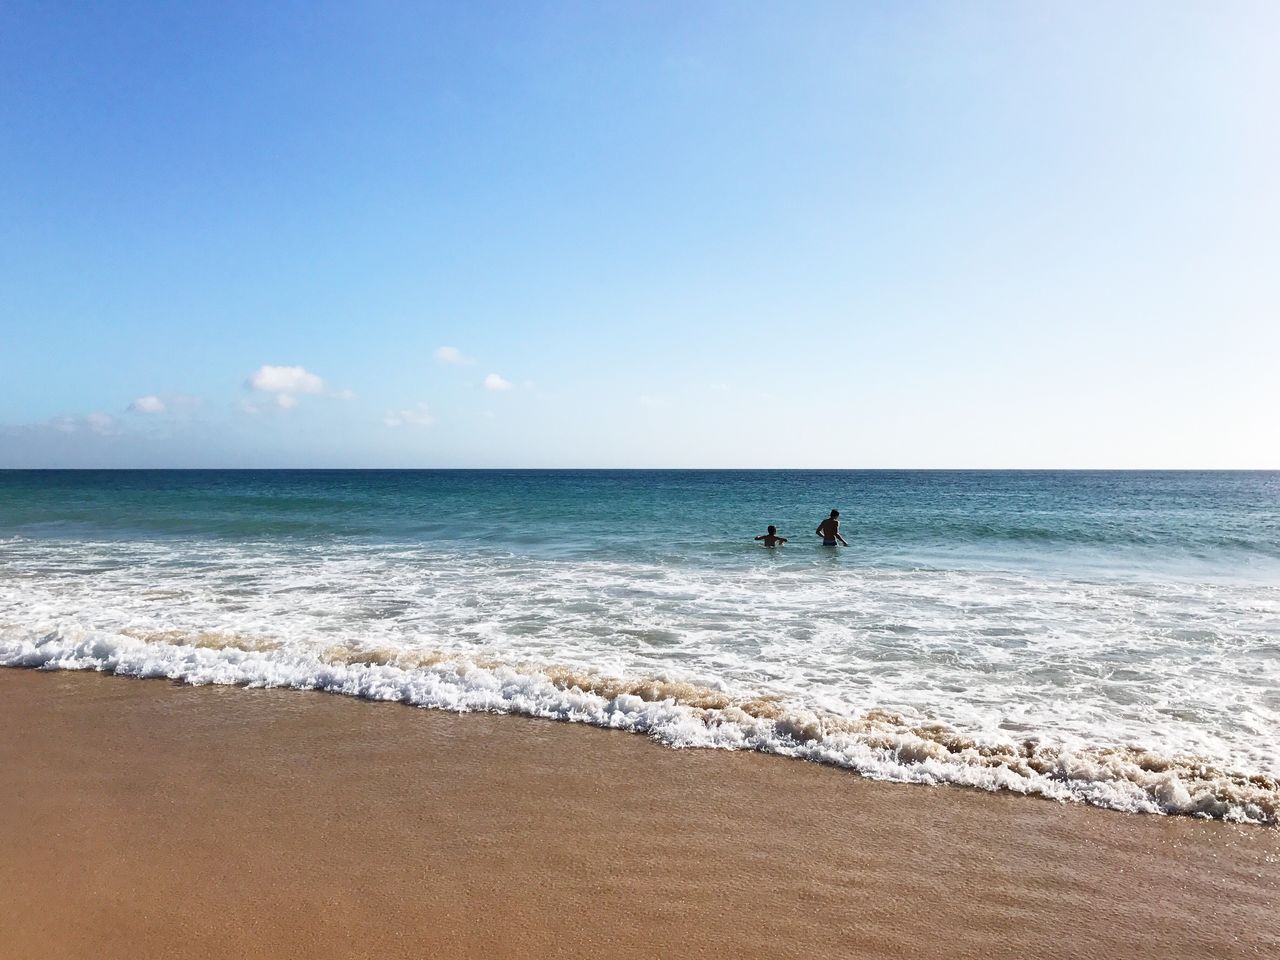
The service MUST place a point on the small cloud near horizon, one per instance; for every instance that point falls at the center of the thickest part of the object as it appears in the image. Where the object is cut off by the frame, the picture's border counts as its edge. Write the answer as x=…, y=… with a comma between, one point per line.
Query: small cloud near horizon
x=417, y=416
x=495, y=382
x=285, y=385
x=100, y=423
x=290, y=380
x=452, y=355
x=148, y=404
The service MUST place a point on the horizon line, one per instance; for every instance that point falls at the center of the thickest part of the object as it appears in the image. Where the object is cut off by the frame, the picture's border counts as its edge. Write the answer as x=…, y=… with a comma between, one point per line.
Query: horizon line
x=655, y=469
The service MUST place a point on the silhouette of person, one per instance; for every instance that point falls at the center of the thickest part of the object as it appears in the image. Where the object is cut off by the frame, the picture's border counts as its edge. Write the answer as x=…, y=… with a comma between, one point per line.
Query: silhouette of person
x=771, y=539
x=829, y=530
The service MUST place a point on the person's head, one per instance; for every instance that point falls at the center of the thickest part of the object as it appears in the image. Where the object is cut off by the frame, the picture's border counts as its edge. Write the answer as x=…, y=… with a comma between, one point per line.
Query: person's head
x=772, y=529
x=834, y=514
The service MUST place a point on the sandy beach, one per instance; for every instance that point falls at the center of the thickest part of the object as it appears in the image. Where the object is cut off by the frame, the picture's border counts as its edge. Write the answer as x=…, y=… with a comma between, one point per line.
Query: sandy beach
x=145, y=819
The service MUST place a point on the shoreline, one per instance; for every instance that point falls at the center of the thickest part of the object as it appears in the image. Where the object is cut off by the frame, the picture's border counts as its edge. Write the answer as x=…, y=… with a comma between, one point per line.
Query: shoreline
x=152, y=819
x=682, y=715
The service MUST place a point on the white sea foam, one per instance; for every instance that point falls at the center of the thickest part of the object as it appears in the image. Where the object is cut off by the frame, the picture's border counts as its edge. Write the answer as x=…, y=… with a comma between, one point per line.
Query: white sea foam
x=1140, y=695
x=877, y=745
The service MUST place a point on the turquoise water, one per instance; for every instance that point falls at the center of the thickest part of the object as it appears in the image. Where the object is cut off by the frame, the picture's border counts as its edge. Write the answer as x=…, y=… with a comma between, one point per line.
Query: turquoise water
x=1106, y=637
x=1201, y=521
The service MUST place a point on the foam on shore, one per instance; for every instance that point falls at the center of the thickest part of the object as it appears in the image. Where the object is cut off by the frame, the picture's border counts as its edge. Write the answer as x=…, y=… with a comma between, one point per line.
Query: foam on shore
x=877, y=743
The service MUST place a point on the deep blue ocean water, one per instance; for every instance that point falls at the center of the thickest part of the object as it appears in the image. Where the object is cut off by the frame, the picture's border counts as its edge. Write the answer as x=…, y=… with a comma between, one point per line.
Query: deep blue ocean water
x=1219, y=520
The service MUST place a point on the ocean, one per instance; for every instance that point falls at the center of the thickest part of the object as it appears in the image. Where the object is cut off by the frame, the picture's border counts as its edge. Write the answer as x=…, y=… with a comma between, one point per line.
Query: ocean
x=1111, y=638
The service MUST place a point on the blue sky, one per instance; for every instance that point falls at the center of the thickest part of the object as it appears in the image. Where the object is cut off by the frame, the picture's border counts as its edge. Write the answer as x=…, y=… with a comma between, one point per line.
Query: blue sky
x=671, y=234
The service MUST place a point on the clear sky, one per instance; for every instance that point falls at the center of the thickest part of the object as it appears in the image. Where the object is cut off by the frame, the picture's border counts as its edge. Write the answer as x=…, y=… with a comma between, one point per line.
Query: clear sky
x=646, y=234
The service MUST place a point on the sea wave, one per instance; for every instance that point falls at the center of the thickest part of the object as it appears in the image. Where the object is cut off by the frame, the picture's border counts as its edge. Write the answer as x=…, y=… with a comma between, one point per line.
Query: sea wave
x=877, y=743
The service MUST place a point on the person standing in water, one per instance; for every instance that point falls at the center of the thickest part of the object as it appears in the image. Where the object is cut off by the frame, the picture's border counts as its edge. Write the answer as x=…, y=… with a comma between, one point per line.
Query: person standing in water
x=829, y=530
x=771, y=539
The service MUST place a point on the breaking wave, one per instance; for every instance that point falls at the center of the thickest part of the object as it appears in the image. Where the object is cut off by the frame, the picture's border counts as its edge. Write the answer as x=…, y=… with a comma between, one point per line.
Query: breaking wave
x=879, y=744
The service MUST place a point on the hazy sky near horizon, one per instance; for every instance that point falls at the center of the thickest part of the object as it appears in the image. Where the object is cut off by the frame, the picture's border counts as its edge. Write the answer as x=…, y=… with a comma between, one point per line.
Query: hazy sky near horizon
x=640, y=234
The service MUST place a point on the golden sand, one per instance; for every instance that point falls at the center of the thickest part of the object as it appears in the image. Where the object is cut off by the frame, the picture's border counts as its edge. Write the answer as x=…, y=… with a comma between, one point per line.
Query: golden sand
x=142, y=819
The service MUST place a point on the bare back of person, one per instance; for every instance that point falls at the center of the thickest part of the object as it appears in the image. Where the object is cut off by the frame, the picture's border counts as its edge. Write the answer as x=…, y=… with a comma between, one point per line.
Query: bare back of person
x=829, y=530
x=771, y=538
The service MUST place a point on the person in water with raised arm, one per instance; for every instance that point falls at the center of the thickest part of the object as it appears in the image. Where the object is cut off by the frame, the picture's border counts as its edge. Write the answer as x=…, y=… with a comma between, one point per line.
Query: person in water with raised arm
x=771, y=539
x=829, y=530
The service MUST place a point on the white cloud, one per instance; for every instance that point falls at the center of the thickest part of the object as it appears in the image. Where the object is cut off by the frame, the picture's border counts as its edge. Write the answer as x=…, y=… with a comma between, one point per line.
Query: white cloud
x=285, y=385
x=495, y=382
x=148, y=404
x=99, y=423
x=417, y=416
x=286, y=380
x=452, y=355
x=649, y=401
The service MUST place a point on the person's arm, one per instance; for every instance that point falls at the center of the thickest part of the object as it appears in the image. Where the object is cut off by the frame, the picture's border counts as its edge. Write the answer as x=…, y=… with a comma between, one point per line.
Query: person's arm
x=759, y=538
x=837, y=533
x=818, y=532
x=782, y=539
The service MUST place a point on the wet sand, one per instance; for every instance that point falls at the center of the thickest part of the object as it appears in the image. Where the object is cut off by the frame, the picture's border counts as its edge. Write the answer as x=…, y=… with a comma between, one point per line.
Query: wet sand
x=143, y=819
